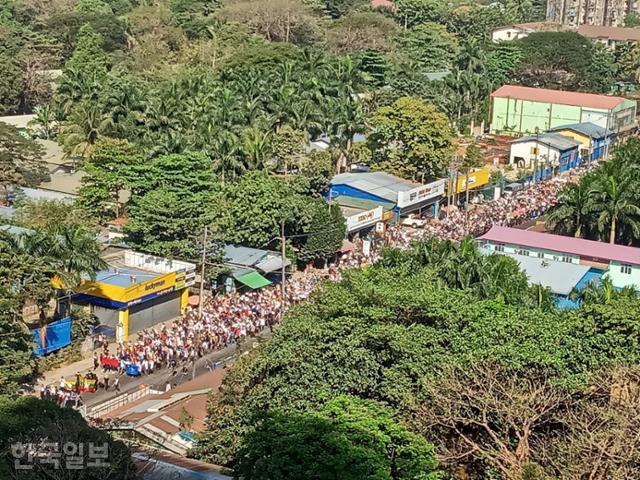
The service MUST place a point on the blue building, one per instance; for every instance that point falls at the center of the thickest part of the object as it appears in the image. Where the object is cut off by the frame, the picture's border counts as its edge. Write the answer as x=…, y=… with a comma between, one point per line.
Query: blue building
x=593, y=139
x=370, y=197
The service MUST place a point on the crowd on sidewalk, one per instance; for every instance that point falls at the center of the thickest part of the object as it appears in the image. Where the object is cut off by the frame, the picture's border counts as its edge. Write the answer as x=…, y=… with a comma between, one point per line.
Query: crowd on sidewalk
x=226, y=319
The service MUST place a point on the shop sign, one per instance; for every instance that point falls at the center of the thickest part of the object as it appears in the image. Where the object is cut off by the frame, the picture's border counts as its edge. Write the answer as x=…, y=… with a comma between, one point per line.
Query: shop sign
x=421, y=193
x=363, y=219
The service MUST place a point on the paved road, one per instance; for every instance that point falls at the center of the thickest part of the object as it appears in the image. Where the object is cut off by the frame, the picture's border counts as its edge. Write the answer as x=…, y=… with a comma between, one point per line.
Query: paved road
x=159, y=378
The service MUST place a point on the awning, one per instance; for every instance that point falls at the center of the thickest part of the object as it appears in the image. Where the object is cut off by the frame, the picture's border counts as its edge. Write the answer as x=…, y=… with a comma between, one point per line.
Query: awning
x=347, y=246
x=253, y=280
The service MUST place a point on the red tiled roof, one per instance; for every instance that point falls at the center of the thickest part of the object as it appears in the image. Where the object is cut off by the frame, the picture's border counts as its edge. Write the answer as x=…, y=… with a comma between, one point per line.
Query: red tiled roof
x=561, y=97
x=619, y=34
x=557, y=243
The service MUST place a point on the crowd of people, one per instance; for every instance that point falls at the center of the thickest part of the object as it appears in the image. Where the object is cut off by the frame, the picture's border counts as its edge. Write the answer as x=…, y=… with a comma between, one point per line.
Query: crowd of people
x=226, y=319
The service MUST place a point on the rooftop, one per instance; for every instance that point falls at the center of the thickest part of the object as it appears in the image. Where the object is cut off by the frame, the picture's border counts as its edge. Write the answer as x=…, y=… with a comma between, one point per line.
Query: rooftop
x=559, y=277
x=576, y=246
x=263, y=260
x=620, y=34
x=554, y=140
x=381, y=184
x=41, y=194
x=560, y=97
x=18, y=121
x=534, y=26
x=586, y=128
x=124, y=277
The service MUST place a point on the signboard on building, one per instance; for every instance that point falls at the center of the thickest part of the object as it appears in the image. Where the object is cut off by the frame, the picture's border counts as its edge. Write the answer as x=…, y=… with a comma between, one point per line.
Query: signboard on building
x=421, y=193
x=364, y=219
x=476, y=179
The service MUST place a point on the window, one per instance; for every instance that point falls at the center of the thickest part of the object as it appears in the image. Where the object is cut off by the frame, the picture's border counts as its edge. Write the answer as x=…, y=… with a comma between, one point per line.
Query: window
x=625, y=268
x=540, y=254
x=535, y=151
x=499, y=247
x=522, y=251
x=566, y=259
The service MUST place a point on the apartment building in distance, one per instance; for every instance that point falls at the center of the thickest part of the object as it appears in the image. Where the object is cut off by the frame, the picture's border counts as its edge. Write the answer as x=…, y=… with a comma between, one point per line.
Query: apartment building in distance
x=574, y=13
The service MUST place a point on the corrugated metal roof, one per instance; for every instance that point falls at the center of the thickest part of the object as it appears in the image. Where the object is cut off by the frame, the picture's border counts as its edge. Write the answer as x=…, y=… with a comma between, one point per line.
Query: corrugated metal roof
x=585, y=128
x=559, y=277
x=554, y=140
x=559, y=97
x=558, y=243
x=381, y=184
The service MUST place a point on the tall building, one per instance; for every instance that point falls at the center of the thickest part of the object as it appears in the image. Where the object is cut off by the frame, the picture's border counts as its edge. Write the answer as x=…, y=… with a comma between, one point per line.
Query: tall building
x=590, y=12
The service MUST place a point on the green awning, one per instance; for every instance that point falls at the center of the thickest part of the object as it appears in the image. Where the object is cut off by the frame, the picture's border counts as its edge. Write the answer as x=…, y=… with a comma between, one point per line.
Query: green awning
x=253, y=280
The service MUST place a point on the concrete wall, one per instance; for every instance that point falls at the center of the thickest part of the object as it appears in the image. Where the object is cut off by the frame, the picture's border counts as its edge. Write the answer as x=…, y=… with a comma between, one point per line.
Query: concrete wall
x=508, y=33
x=522, y=116
x=620, y=279
x=533, y=252
x=526, y=151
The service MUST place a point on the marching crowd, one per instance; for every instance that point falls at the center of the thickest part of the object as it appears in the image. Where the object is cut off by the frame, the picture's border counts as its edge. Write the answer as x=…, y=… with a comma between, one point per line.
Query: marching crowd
x=226, y=319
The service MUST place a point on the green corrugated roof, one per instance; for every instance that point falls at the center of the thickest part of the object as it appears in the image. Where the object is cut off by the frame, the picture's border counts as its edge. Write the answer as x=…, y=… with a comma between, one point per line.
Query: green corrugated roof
x=253, y=280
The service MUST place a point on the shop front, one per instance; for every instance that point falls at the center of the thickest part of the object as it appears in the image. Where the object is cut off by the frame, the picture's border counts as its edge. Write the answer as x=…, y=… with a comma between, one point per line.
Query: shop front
x=124, y=305
x=421, y=199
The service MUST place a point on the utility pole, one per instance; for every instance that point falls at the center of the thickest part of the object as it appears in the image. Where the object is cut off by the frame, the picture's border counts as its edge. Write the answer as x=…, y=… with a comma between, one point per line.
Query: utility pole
x=204, y=261
x=283, y=287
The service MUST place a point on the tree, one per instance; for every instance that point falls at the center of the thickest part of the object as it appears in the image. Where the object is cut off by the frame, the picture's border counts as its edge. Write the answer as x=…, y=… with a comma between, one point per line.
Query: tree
x=48, y=214
x=44, y=119
x=569, y=216
x=490, y=414
x=21, y=159
x=88, y=57
x=34, y=423
x=612, y=201
x=110, y=170
x=430, y=46
x=323, y=234
x=287, y=147
x=410, y=13
x=10, y=85
x=412, y=138
x=361, y=31
x=163, y=223
x=349, y=439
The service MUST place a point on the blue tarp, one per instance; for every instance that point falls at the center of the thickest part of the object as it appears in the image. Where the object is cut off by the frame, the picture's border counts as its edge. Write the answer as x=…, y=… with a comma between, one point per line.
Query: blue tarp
x=58, y=336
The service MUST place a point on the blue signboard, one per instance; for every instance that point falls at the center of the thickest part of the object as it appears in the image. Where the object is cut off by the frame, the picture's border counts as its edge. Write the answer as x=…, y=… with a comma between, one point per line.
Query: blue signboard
x=58, y=336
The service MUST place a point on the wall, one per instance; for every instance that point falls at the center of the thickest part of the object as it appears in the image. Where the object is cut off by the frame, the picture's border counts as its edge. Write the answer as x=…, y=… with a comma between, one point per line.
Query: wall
x=507, y=34
x=514, y=116
x=155, y=264
x=533, y=252
x=620, y=279
x=523, y=149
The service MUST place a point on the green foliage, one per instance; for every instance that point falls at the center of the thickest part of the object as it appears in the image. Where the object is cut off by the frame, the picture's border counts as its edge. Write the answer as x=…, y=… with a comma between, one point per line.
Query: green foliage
x=429, y=46
x=632, y=19
x=323, y=233
x=411, y=138
x=21, y=159
x=603, y=205
x=349, y=438
x=410, y=13
x=11, y=84
x=47, y=214
x=88, y=57
x=29, y=420
x=564, y=60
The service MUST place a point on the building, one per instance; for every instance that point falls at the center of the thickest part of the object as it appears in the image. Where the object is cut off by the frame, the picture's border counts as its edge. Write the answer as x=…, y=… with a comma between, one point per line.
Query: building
x=155, y=414
x=590, y=12
x=20, y=122
x=519, y=110
x=521, y=30
x=370, y=197
x=547, y=149
x=594, y=140
x=137, y=291
x=610, y=36
x=252, y=267
x=618, y=262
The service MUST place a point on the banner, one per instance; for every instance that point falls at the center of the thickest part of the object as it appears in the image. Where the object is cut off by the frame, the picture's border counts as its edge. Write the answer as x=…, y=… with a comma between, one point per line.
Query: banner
x=364, y=219
x=421, y=193
x=476, y=179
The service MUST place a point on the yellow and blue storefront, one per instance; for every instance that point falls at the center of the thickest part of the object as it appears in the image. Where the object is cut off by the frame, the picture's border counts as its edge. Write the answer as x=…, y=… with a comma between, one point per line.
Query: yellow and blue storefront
x=127, y=300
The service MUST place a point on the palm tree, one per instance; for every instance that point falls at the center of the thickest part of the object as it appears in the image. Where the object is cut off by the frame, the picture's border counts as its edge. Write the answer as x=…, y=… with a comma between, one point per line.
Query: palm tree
x=613, y=202
x=602, y=292
x=83, y=128
x=44, y=118
x=569, y=216
x=255, y=148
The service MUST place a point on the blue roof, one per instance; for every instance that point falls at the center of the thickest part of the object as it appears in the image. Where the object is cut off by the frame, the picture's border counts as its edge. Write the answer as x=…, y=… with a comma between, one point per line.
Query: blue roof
x=585, y=128
x=124, y=277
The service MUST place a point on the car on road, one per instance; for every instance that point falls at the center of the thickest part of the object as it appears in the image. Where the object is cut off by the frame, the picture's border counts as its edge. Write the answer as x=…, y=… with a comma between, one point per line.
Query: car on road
x=413, y=221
